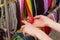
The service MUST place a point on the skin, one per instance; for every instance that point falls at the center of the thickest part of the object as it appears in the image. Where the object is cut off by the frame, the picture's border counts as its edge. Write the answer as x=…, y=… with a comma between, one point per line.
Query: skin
x=45, y=21
x=31, y=30
x=40, y=21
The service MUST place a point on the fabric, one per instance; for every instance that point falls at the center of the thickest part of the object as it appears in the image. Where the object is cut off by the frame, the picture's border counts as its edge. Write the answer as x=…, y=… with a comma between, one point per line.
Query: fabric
x=12, y=13
x=45, y=6
x=29, y=38
x=18, y=16
x=56, y=15
x=49, y=3
x=40, y=6
x=52, y=4
x=34, y=14
x=2, y=34
x=21, y=2
x=57, y=3
x=19, y=36
x=28, y=5
x=34, y=10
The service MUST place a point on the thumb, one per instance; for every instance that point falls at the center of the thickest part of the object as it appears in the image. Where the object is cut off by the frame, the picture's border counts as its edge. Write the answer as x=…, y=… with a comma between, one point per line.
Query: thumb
x=38, y=16
x=25, y=22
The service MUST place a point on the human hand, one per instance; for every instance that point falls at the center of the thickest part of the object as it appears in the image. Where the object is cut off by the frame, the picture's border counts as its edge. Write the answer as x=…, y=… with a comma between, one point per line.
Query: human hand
x=33, y=31
x=28, y=29
x=42, y=21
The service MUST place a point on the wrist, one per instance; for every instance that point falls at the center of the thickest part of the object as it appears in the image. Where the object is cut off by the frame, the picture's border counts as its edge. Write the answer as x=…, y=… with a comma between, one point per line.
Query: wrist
x=41, y=35
x=51, y=24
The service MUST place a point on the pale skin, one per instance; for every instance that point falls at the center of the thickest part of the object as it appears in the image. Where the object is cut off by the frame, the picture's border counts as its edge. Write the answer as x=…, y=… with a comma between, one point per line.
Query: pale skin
x=45, y=21
x=40, y=21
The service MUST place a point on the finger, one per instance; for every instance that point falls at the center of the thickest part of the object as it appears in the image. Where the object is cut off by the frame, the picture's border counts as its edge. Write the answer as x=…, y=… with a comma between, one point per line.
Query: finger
x=28, y=18
x=38, y=16
x=24, y=32
x=25, y=22
x=22, y=27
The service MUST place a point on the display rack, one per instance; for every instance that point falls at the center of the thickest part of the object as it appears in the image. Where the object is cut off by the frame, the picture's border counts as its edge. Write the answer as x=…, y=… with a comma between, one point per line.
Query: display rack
x=8, y=20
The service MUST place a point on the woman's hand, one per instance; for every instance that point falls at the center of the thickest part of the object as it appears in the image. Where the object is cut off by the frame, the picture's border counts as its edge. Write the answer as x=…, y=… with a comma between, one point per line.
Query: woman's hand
x=28, y=28
x=33, y=31
x=42, y=21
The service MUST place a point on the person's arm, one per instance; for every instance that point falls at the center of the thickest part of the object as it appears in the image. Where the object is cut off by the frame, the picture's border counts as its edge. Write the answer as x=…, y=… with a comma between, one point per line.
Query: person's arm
x=41, y=35
x=43, y=21
x=54, y=25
